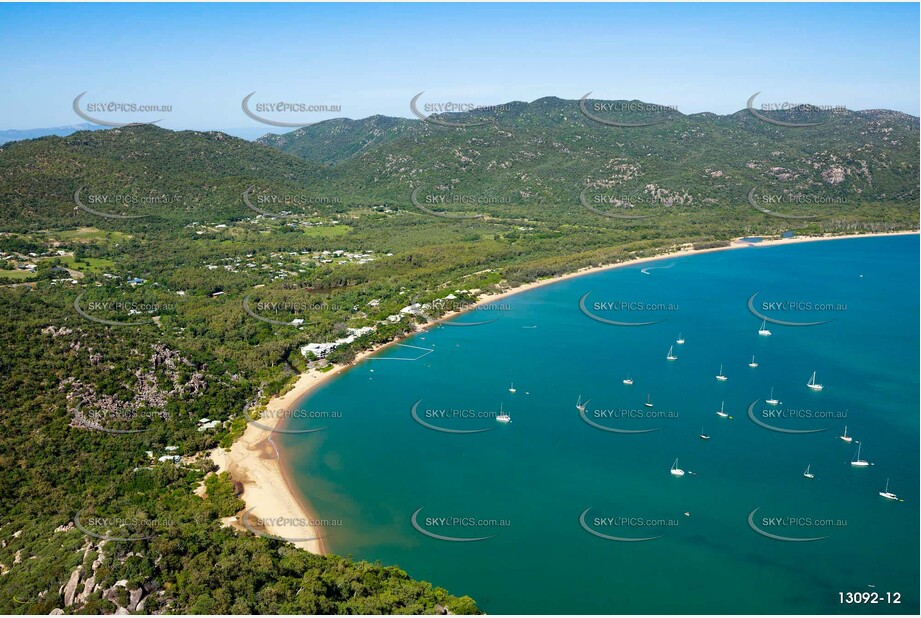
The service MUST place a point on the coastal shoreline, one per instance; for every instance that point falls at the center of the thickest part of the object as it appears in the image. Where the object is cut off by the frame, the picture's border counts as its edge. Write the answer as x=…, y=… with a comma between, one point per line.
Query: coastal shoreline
x=269, y=489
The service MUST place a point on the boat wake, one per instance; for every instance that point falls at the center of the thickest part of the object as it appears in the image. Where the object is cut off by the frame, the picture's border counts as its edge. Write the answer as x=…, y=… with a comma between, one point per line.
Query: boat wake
x=646, y=270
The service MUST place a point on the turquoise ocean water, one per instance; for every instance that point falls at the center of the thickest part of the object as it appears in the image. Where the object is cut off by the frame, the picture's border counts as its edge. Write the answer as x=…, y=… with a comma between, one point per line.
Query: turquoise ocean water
x=525, y=484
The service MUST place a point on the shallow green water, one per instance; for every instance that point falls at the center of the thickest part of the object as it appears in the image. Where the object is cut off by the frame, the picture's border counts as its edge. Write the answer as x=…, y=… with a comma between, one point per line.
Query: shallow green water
x=376, y=466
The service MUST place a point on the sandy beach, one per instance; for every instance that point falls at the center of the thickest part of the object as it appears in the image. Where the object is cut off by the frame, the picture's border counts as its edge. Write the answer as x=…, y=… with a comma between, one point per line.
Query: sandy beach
x=734, y=244
x=254, y=460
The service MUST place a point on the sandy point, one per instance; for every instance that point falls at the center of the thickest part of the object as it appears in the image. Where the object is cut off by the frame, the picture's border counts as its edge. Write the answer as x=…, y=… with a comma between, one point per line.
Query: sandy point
x=273, y=506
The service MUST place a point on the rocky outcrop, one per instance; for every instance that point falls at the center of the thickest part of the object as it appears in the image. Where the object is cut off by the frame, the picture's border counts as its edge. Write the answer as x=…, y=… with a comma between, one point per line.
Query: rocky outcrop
x=70, y=588
x=125, y=599
x=93, y=410
x=135, y=597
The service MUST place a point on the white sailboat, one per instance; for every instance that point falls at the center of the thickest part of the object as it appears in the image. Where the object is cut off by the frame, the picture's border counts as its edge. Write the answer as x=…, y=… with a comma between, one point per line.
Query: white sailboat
x=580, y=405
x=679, y=340
x=858, y=462
x=512, y=388
x=648, y=403
x=812, y=383
x=772, y=401
x=808, y=474
x=503, y=417
x=703, y=436
x=763, y=331
x=753, y=363
x=676, y=471
x=723, y=413
x=720, y=375
x=628, y=381
x=888, y=495
x=671, y=355
x=846, y=437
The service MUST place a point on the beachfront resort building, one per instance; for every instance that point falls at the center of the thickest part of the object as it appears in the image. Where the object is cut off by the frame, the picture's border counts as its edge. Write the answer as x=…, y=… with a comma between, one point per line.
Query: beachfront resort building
x=321, y=350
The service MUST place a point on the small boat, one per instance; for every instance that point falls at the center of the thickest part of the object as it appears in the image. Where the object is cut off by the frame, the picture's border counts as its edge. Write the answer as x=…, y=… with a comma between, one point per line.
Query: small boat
x=671, y=355
x=763, y=331
x=628, y=381
x=772, y=401
x=812, y=383
x=846, y=437
x=753, y=363
x=720, y=375
x=679, y=340
x=808, y=474
x=503, y=417
x=857, y=461
x=512, y=388
x=580, y=405
x=676, y=471
x=722, y=413
x=888, y=495
x=703, y=436
x=648, y=403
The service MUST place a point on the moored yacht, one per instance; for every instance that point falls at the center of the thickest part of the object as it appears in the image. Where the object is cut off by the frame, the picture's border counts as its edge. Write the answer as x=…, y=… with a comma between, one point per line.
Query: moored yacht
x=676, y=471
x=888, y=495
x=813, y=384
x=857, y=462
x=771, y=401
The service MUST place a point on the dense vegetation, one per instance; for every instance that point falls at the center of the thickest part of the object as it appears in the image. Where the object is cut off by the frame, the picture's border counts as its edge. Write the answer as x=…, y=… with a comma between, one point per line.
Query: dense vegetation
x=331, y=237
